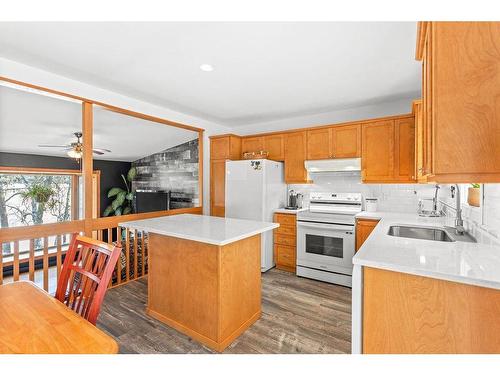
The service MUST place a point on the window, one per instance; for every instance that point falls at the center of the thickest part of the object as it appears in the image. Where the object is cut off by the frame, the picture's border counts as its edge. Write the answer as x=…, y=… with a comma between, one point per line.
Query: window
x=32, y=199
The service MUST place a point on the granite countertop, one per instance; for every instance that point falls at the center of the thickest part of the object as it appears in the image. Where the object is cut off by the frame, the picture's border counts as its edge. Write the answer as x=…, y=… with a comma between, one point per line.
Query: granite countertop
x=469, y=263
x=286, y=211
x=208, y=229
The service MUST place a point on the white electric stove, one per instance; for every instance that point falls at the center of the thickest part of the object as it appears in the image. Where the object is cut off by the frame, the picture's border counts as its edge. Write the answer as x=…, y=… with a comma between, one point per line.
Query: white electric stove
x=326, y=237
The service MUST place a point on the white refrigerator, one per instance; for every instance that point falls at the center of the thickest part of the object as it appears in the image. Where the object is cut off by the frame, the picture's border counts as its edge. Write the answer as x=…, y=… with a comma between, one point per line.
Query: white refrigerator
x=254, y=189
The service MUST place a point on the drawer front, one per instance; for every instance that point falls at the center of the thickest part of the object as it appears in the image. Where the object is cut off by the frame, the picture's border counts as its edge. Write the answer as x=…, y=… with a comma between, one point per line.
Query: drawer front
x=287, y=230
x=283, y=239
x=285, y=219
x=285, y=255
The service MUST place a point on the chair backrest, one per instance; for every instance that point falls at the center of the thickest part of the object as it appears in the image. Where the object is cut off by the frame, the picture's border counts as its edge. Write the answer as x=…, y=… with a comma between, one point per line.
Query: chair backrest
x=85, y=275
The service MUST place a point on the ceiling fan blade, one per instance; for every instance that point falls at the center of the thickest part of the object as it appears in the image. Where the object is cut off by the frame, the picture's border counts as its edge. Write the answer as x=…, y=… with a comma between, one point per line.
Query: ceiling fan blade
x=98, y=152
x=61, y=146
x=101, y=150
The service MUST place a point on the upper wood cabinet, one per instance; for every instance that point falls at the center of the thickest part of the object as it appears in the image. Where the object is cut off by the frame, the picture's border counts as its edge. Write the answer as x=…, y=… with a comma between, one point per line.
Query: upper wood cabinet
x=388, y=151
x=226, y=146
x=346, y=141
x=252, y=144
x=222, y=148
x=295, y=156
x=404, y=149
x=334, y=142
x=377, y=157
x=460, y=100
x=319, y=144
x=419, y=141
x=275, y=145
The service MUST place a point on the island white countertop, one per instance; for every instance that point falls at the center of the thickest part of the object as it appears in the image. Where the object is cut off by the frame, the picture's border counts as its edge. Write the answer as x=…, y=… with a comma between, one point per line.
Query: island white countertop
x=208, y=229
x=469, y=263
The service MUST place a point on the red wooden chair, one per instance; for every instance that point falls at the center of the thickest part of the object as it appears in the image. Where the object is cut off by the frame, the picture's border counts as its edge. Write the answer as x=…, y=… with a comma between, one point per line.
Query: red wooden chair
x=85, y=275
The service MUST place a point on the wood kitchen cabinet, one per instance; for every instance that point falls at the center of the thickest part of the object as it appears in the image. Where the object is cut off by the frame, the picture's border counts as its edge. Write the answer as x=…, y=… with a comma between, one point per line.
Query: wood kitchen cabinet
x=334, y=142
x=227, y=146
x=252, y=144
x=409, y=314
x=295, y=156
x=388, y=150
x=419, y=142
x=319, y=144
x=285, y=239
x=222, y=148
x=364, y=227
x=274, y=144
x=404, y=150
x=460, y=101
x=217, y=187
x=377, y=155
x=346, y=141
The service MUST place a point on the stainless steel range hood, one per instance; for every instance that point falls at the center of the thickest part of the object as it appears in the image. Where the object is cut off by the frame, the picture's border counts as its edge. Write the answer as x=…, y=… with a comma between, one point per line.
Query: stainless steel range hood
x=351, y=166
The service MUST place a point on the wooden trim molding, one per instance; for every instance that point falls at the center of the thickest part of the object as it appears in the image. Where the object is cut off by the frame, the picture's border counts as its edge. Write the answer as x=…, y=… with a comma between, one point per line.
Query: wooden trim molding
x=421, y=35
x=40, y=231
x=29, y=170
x=104, y=105
x=200, y=168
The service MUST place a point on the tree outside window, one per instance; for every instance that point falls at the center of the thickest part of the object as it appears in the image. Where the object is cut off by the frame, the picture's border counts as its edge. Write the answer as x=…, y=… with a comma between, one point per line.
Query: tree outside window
x=30, y=199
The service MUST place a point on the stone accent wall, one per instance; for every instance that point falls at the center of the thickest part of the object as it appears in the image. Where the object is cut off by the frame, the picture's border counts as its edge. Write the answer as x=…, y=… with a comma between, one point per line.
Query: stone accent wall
x=174, y=169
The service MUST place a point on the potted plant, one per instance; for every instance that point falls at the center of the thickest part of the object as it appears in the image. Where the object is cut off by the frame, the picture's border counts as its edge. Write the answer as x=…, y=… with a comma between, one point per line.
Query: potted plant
x=122, y=204
x=41, y=194
x=474, y=195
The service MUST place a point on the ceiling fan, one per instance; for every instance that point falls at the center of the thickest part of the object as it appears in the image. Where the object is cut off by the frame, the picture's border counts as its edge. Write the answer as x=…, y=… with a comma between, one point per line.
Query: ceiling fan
x=75, y=149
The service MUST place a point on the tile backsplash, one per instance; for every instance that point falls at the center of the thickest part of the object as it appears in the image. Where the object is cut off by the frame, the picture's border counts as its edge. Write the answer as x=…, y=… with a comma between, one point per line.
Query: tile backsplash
x=391, y=197
x=483, y=223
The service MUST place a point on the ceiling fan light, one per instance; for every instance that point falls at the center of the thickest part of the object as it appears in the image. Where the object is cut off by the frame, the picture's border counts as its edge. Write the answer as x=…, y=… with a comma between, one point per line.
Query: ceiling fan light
x=75, y=154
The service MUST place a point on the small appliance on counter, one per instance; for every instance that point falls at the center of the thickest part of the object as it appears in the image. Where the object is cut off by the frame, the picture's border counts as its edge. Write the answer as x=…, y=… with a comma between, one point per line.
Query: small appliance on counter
x=371, y=204
x=295, y=200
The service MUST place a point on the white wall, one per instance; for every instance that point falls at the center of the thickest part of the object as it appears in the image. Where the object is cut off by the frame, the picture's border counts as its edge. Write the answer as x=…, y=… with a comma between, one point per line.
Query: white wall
x=28, y=74
x=396, y=107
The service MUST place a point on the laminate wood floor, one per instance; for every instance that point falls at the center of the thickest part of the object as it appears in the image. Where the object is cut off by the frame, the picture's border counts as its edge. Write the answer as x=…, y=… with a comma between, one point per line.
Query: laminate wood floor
x=298, y=316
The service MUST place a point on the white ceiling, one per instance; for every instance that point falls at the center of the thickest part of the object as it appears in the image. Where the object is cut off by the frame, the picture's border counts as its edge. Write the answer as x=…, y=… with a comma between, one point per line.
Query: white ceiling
x=28, y=120
x=263, y=71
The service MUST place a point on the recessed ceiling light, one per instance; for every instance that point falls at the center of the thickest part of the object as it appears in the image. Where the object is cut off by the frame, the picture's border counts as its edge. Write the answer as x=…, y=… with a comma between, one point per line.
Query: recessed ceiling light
x=206, y=67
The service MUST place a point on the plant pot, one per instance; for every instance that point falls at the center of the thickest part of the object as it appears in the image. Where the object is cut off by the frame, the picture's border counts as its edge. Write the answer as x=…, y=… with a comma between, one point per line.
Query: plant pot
x=473, y=197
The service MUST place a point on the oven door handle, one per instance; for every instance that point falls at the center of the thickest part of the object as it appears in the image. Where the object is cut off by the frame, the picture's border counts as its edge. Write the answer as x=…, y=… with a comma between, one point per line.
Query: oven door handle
x=342, y=228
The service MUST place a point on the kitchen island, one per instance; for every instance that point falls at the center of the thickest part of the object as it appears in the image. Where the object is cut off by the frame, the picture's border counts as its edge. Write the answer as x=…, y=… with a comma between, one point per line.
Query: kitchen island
x=204, y=275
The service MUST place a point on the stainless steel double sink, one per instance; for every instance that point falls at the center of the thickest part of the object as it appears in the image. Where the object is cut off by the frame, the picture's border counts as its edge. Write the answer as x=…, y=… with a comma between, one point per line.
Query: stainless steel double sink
x=442, y=234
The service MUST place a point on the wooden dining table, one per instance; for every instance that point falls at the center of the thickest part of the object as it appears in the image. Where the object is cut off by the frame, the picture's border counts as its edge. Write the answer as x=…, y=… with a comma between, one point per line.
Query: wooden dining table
x=34, y=322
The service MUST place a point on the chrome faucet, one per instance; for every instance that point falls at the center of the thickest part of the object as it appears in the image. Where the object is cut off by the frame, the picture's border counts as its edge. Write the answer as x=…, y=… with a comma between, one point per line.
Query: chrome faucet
x=435, y=201
x=435, y=212
x=459, y=223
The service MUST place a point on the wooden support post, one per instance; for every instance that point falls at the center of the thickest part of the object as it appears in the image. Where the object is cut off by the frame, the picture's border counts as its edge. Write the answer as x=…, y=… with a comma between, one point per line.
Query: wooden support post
x=87, y=160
